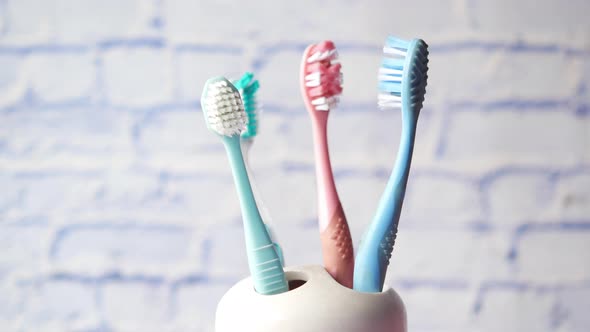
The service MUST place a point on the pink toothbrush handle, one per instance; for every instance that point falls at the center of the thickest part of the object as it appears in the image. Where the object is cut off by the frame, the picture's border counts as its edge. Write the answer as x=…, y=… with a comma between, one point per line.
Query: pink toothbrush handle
x=334, y=232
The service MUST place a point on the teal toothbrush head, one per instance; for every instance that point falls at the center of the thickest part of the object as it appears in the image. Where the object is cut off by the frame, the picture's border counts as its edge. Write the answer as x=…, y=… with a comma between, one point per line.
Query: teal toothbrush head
x=223, y=108
x=402, y=85
x=248, y=86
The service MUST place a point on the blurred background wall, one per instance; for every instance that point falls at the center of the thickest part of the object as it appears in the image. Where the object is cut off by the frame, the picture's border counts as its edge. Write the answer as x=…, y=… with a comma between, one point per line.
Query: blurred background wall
x=117, y=207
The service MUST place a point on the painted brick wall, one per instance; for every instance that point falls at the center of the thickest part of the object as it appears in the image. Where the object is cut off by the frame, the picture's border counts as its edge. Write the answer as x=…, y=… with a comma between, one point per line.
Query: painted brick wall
x=117, y=208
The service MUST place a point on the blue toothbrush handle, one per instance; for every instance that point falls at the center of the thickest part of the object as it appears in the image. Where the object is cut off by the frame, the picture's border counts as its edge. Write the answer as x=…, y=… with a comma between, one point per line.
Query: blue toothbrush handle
x=375, y=249
x=263, y=260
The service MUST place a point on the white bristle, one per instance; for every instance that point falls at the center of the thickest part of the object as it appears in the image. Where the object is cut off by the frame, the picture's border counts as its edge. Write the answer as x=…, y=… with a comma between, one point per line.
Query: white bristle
x=387, y=96
x=324, y=55
x=312, y=84
x=224, y=109
x=389, y=101
x=389, y=78
x=314, y=57
x=324, y=104
x=320, y=56
x=313, y=76
x=319, y=101
x=390, y=71
x=393, y=50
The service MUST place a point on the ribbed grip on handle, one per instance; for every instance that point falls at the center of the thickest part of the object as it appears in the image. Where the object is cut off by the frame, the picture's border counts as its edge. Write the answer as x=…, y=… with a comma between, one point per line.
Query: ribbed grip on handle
x=387, y=244
x=337, y=249
x=267, y=271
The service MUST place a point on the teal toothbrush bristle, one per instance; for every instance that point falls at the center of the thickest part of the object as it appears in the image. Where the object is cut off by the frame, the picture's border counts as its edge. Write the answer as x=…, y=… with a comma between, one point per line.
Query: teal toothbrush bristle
x=248, y=88
x=403, y=74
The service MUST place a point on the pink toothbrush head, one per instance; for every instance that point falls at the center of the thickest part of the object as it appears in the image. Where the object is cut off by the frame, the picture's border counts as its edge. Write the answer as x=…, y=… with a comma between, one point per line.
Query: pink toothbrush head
x=321, y=79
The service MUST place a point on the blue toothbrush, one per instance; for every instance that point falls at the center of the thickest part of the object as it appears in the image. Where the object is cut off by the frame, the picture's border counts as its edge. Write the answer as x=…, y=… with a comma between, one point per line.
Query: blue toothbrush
x=402, y=84
x=225, y=115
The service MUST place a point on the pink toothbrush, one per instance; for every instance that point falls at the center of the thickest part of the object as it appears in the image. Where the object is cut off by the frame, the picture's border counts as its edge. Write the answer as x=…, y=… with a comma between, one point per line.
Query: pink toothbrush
x=321, y=83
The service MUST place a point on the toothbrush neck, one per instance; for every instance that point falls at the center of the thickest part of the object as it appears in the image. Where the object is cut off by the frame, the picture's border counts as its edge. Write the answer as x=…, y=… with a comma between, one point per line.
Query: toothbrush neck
x=401, y=169
x=328, y=200
x=253, y=221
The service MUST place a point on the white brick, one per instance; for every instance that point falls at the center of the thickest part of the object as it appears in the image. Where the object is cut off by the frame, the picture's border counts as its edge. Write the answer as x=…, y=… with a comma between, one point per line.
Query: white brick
x=130, y=249
x=95, y=20
x=289, y=195
x=575, y=303
x=279, y=79
x=13, y=82
x=135, y=306
x=538, y=20
x=359, y=196
x=62, y=77
x=300, y=243
x=60, y=305
x=438, y=309
x=180, y=141
x=554, y=256
x=28, y=21
x=195, y=305
x=195, y=68
x=206, y=200
x=125, y=191
x=362, y=22
x=486, y=76
x=359, y=71
x=52, y=194
x=448, y=254
x=295, y=20
x=138, y=76
x=462, y=201
x=436, y=199
x=11, y=303
x=572, y=197
x=180, y=133
x=76, y=139
x=282, y=137
x=181, y=25
x=24, y=246
x=369, y=140
x=487, y=139
x=227, y=254
x=515, y=311
x=519, y=197
x=357, y=140
x=213, y=161
x=9, y=199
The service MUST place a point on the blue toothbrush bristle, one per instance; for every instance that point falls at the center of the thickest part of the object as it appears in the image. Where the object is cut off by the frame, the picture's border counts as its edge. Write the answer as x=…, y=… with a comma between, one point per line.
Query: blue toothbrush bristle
x=403, y=74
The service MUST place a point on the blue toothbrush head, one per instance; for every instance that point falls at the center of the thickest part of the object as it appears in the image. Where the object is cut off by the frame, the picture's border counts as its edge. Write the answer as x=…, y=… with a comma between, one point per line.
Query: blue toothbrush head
x=223, y=108
x=403, y=74
x=248, y=86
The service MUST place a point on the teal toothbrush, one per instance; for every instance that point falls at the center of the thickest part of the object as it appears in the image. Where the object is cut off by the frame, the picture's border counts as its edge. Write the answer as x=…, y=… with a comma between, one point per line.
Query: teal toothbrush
x=402, y=84
x=225, y=116
x=248, y=87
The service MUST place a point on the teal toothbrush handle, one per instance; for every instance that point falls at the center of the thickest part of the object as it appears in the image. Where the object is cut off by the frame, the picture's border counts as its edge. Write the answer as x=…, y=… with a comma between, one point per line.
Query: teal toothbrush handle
x=246, y=146
x=375, y=250
x=265, y=265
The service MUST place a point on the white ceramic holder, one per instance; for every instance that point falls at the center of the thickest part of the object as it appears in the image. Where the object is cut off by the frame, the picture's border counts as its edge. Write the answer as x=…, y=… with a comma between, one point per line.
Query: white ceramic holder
x=318, y=305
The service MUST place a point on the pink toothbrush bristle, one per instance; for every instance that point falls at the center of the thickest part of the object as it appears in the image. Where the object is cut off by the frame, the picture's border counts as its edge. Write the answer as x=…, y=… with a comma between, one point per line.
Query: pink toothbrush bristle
x=323, y=80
